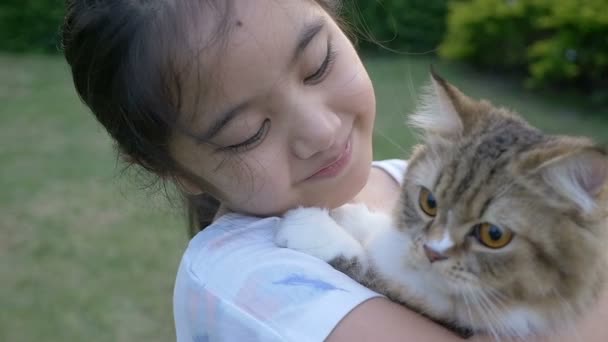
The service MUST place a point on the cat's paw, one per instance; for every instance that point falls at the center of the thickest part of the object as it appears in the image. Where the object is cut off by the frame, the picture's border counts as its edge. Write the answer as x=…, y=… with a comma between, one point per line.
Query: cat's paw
x=349, y=213
x=359, y=221
x=314, y=232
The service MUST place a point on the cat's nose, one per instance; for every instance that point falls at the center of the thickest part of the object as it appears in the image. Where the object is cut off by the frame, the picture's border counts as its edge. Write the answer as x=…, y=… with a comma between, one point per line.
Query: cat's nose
x=432, y=254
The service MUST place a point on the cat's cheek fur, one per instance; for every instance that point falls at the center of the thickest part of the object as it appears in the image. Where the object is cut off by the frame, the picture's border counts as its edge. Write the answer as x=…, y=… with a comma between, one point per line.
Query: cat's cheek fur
x=392, y=257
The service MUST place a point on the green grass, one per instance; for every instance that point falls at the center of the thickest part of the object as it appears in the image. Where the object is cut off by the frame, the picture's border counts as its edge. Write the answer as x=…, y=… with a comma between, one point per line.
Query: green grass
x=85, y=255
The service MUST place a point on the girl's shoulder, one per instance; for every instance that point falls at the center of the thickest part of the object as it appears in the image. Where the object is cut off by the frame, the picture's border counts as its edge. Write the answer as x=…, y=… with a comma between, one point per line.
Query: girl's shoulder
x=393, y=167
x=234, y=230
x=234, y=282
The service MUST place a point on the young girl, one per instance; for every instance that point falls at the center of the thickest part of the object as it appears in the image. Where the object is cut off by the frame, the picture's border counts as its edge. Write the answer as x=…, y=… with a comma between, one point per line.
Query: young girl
x=257, y=106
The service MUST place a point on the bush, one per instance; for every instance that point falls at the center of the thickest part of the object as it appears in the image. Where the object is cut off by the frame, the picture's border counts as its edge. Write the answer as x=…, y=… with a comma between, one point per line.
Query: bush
x=493, y=33
x=555, y=42
x=576, y=48
x=30, y=25
x=404, y=25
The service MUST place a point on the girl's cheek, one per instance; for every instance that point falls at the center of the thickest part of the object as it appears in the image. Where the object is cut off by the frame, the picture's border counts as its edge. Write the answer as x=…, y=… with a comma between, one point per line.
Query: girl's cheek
x=355, y=94
x=350, y=82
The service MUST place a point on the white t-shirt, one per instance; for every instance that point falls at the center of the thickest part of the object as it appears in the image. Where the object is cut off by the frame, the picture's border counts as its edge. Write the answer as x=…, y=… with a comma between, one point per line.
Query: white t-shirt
x=235, y=284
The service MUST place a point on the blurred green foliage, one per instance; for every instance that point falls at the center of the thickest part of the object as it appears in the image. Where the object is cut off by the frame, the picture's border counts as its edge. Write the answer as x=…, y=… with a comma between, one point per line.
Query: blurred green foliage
x=404, y=25
x=561, y=43
x=30, y=25
x=415, y=26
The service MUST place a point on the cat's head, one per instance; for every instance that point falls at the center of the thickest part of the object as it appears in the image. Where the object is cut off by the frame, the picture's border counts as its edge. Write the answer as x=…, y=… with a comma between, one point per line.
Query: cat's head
x=495, y=206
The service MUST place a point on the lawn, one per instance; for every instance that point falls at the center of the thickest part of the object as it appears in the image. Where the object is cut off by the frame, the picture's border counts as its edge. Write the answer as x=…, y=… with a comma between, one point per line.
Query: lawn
x=88, y=255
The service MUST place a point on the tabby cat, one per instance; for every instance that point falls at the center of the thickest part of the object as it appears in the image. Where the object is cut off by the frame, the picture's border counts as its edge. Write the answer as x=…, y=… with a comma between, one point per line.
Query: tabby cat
x=500, y=228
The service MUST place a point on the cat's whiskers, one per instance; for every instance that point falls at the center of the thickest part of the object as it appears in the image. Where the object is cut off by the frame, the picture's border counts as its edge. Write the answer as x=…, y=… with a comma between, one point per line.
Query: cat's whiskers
x=391, y=141
x=498, y=298
x=499, y=301
x=467, y=305
x=494, y=311
x=480, y=311
x=410, y=83
x=494, y=306
x=483, y=313
x=497, y=310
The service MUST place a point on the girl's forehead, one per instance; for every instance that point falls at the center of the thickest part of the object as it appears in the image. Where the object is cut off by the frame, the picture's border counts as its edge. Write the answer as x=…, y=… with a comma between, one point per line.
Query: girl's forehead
x=229, y=24
x=253, y=43
x=265, y=27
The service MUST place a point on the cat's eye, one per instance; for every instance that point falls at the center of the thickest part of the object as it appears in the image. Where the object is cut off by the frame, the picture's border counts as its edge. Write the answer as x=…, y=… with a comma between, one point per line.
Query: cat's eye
x=427, y=202
x=492, y=236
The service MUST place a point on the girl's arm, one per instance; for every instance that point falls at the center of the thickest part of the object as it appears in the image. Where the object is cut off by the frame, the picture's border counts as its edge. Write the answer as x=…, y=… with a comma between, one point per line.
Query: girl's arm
x=379, y=319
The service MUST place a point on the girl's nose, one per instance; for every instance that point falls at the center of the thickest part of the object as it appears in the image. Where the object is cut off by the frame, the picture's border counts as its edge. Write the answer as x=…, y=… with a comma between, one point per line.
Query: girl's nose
x=314, y=133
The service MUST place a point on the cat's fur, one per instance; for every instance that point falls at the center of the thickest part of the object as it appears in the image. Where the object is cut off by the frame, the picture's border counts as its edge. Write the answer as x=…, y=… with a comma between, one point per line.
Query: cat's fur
x=482, y=164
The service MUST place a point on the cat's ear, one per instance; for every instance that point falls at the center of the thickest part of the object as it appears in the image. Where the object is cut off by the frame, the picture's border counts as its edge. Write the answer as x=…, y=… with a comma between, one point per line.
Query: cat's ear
x=575, y=172
x=444, y=112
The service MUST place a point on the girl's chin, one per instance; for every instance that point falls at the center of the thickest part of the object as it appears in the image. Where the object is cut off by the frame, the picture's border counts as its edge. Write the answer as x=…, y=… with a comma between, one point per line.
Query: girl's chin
x=356, y=185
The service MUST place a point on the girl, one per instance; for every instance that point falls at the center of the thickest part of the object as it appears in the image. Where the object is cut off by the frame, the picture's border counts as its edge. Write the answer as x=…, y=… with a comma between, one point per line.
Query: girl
x=251, y=107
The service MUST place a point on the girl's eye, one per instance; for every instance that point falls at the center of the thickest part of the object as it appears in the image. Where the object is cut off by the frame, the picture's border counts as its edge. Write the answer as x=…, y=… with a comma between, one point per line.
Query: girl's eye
x=427, y=202
x=492, y=236
x=250, y=142
x=324, y=68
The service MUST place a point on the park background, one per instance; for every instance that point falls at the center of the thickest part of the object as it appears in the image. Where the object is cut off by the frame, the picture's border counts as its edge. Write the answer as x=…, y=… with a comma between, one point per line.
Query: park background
x=89, y=252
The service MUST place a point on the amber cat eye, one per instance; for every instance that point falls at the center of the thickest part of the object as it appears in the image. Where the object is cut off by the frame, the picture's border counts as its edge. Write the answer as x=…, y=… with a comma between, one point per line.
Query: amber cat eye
x=427, y=202
x=492, y=236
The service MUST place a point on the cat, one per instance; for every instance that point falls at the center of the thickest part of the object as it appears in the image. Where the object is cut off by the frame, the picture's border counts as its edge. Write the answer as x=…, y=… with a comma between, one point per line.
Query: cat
x=500, y=229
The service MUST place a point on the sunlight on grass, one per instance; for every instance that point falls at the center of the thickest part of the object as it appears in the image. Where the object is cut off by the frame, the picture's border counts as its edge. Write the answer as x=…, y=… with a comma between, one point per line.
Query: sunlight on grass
x=88, y=256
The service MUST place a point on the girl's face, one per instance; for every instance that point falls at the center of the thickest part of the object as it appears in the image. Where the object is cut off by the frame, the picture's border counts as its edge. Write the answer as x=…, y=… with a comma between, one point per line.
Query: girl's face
x=289, y=114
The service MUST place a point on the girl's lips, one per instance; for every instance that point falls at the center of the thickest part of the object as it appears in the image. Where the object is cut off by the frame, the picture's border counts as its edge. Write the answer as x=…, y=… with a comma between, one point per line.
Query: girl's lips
x=337, y=166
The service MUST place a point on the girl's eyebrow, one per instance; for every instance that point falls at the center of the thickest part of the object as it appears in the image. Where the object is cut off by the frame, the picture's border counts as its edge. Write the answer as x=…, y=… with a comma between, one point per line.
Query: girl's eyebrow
x=223, y=120
x=306, y=35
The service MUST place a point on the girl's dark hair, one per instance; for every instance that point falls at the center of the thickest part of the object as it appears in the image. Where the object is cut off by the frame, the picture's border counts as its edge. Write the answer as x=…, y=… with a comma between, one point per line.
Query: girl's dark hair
x=124, y=64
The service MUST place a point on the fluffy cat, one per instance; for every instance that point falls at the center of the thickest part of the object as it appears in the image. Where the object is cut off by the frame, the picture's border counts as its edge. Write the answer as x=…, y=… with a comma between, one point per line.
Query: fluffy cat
x=500, y=228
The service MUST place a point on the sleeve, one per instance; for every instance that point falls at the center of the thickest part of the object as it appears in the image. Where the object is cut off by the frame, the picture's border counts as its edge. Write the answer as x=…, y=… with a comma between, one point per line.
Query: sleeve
x=234, y=284
x=394, y=167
